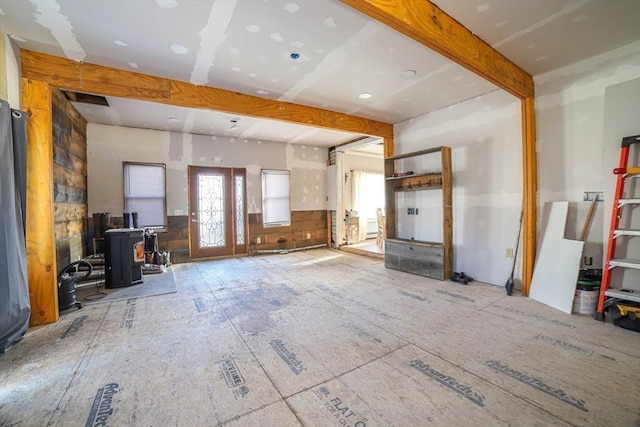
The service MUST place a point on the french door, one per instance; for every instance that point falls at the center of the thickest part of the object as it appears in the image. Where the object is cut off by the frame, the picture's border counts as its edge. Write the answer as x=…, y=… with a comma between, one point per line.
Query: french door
x=217, y=211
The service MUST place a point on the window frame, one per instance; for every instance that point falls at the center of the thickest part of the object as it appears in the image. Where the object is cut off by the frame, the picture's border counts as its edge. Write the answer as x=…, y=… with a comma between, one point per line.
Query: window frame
x=125, y=164
x=264, y=174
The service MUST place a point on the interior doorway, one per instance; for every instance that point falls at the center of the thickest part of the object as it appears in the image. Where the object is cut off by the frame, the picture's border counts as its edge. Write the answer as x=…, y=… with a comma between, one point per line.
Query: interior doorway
x=217, y=211
x=361, y=172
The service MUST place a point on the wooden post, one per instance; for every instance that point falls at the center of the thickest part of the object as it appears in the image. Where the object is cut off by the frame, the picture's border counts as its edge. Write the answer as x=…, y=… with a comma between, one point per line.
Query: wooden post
x=40, y=239
x=447, y=212
x=530, y=192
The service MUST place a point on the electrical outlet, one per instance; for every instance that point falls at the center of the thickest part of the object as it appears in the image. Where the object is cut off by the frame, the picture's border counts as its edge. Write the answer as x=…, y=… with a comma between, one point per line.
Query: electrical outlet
x=258, y=240
x=588, y=196
x=509, y=253
x=308, y=236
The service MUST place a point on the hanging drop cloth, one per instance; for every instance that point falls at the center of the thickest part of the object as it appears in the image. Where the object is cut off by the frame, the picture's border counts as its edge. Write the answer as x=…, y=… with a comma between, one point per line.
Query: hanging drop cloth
x=14, y=293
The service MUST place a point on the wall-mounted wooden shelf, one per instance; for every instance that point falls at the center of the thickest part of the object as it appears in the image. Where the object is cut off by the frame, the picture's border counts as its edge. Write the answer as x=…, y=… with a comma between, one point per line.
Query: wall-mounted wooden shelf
x=430, y=259
x=423, y=181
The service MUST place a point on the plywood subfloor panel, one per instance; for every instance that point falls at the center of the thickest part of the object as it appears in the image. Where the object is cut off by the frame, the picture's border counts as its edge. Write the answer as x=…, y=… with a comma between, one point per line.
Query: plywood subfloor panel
x=321, y=338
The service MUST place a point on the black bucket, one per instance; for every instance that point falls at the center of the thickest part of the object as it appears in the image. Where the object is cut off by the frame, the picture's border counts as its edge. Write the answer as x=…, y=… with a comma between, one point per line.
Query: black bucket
x=67, y=284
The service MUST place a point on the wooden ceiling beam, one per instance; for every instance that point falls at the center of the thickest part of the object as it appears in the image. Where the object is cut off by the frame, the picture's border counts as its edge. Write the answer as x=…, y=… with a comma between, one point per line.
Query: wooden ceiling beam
x=429, y=25
x=99, y=80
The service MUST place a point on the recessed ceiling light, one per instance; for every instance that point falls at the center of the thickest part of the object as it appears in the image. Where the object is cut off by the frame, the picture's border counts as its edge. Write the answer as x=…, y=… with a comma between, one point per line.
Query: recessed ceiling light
x=178, y=48
x=120, y=43
x=365, y=95
x=407, y=74
x=133, y=65
x=174, y=119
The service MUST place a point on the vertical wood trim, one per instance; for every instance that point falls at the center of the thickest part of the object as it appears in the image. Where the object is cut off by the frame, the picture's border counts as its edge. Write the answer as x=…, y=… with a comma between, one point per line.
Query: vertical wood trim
x=390, y=210
x=530, y=192
x=390, y=200
x=329, y=221
x=447, y=212
x=388, y=147
x=40, y=240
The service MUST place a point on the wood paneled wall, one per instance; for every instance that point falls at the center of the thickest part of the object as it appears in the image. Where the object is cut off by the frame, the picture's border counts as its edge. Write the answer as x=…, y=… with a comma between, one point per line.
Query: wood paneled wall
x=312, y=224
x=303, y=224
x=69, y=181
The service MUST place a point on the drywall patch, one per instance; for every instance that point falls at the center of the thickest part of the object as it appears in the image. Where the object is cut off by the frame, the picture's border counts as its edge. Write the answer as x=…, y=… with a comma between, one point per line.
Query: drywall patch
x=291, y=7
x=566, y=9
x=333, y=60
x=48, y=15
x=407, y=84
x=251, y=131
x=175, y=147
x=212, y=36
x=295, y=161
x=167, y=4
x=330, y=22
x=253, y=29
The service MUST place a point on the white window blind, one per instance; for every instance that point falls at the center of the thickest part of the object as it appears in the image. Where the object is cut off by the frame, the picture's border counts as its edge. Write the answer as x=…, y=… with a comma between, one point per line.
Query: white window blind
x=144, y=192
x=276, y=210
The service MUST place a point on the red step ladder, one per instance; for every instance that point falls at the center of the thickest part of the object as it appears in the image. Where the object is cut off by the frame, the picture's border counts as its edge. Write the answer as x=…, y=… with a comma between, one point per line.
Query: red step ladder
x=623, y=174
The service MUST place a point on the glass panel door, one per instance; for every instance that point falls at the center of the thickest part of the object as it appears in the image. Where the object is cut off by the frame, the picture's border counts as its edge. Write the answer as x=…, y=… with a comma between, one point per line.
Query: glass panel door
x=217, y=216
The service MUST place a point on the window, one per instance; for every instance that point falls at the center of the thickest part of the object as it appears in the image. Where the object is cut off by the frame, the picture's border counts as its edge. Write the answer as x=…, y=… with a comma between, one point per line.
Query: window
x=275, y=198
x=144, y=193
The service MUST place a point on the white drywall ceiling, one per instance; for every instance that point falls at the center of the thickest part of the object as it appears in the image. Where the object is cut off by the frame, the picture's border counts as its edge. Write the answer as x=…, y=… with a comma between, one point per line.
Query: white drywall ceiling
x=246, y=46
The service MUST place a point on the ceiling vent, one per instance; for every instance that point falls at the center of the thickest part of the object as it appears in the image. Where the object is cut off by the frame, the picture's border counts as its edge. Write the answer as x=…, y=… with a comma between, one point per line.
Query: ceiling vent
x=86, y=98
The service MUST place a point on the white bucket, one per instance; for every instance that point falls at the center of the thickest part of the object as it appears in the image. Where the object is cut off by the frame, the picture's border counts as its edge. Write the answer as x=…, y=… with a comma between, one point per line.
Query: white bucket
x=585, y=299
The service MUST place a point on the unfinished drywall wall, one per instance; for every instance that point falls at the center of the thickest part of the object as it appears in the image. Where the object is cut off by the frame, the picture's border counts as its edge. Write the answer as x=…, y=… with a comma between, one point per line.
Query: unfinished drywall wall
x=583, y=110
x=621, y=112
x=9, y=71
x=109, y=146
x=484, y=134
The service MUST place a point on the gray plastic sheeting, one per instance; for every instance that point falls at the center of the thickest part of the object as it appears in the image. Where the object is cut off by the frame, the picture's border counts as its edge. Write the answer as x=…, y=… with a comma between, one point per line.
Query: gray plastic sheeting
x=14, y=292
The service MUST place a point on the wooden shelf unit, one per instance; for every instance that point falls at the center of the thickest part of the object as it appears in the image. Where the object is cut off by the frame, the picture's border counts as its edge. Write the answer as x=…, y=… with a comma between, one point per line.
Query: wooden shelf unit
x=430, y=259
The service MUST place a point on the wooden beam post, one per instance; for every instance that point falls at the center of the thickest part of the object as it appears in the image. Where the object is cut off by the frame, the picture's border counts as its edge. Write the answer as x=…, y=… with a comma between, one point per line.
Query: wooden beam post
x=530, y=192
x=40, y=239
x=98, y=80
